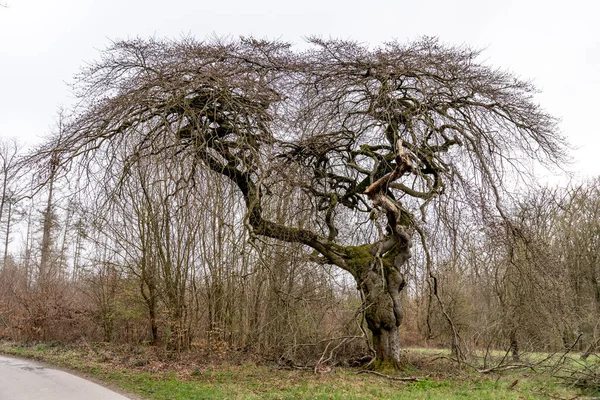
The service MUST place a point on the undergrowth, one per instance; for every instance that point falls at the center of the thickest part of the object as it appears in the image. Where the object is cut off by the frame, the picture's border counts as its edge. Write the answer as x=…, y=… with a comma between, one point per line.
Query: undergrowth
x=152, y=374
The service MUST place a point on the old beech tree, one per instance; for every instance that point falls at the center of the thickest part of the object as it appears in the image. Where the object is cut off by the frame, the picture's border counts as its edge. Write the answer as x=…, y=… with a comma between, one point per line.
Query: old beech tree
x=379, y=137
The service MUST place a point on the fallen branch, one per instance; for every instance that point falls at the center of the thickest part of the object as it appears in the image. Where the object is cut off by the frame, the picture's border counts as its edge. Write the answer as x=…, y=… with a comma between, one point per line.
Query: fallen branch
x=393, y=378
x=567, y=351
x=501, y=368
x=497, y=368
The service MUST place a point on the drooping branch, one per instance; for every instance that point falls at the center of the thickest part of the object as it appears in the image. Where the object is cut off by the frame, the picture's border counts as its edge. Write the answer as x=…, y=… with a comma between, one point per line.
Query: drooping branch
x=376, y=191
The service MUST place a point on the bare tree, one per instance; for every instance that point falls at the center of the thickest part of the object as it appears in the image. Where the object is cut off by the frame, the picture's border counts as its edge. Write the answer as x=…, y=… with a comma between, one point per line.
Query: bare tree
x=10, y=175
x=377, y=141
x=48, y=222
x=578, y=227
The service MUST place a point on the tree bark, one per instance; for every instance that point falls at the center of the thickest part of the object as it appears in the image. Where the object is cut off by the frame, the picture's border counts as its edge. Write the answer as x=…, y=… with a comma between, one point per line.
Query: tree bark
x=147, y=284
x=387, y=346
x=381, y=282
x=514, y=346
x=48, y=221
x=7, y=237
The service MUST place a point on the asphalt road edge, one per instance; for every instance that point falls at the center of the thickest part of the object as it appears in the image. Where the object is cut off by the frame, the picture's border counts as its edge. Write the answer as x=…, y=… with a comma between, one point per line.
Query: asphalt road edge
x=91, y=378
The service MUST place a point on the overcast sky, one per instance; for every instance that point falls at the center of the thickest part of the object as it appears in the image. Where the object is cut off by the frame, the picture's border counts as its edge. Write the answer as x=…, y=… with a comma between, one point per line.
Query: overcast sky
x=556, y=44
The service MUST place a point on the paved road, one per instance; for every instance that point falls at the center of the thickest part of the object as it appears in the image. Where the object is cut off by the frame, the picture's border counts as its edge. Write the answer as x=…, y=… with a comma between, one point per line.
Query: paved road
x=26, y=380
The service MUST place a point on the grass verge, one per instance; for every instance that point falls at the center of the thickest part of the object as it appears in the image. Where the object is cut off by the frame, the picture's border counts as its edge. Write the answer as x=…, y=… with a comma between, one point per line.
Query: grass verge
x=141, y=371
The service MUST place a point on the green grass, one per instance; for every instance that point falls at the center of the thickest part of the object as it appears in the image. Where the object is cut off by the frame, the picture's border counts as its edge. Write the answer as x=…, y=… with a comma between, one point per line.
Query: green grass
x=137, y=372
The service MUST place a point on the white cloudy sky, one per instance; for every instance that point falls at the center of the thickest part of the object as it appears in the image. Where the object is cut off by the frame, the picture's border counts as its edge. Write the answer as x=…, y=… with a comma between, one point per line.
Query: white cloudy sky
x=43, y=43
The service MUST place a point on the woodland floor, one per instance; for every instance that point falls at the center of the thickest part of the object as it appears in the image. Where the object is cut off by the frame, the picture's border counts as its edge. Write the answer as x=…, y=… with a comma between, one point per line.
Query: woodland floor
x=149, y=375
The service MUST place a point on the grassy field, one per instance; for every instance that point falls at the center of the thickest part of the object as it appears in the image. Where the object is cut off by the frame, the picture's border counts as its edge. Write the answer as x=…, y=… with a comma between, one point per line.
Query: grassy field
x=141, y=372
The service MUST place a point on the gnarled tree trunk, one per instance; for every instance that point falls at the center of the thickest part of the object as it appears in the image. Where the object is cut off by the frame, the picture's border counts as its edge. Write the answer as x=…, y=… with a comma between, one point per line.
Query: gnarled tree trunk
x=381, y=281
x=383, y=312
